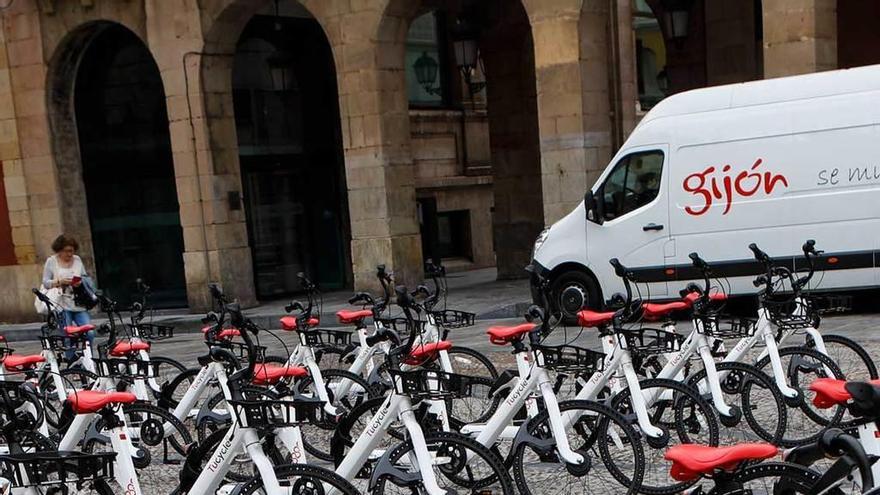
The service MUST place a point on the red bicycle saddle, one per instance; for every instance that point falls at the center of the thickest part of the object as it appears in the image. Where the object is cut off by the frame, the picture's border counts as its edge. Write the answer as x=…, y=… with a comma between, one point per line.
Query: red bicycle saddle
x=74, y=330
x=502, y=335
x=18, y=362
x=831, y=392
x=594, y=319
x=689, y=461
x=426, y=352
x=125, y=348
x=353, y=317
x=92, y=401
x=270, y=374
x=290, y=323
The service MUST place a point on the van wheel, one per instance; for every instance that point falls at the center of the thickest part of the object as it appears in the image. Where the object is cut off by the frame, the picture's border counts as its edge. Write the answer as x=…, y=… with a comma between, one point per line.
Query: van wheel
x=573, y=291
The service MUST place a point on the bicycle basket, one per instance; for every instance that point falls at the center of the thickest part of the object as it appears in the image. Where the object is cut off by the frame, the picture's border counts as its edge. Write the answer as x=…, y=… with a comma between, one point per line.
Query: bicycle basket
x=452, y=318
x=276, y=413
x=733, y=328
x=12, y=391
x=153, y=332
x=648, y=341
x=431, y=384
x=325, y=338
x=239, y=349
x=122, y=368
x=791, y=314
x=55, y=468
x=569, y=358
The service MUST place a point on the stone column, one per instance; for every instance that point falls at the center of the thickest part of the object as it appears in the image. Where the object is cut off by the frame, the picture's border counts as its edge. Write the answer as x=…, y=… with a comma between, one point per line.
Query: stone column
x=800, y=36
x=198, y=91
x=376, y=137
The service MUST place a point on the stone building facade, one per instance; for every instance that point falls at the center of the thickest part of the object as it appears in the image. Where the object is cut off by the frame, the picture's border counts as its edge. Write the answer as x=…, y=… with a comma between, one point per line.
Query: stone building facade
x=243, y=134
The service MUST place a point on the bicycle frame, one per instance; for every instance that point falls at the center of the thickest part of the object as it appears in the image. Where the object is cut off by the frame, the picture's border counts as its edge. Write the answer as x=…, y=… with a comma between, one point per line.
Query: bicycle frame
x=124, y=470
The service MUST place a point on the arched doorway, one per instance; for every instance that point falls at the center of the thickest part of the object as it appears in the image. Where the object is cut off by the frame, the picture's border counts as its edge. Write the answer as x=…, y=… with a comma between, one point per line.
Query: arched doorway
x=289, y=141
x=470, y=81
x=127, y=169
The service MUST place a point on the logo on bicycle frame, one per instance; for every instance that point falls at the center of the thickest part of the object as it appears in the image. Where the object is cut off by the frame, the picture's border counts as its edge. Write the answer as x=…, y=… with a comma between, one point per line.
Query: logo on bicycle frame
x=726, y=185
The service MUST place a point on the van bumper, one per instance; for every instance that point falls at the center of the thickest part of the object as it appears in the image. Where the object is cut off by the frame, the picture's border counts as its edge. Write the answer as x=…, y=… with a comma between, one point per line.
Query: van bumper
x=537, y=270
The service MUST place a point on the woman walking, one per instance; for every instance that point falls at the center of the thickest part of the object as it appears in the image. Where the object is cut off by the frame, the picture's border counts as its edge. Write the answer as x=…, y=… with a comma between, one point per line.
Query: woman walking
x=65, y=271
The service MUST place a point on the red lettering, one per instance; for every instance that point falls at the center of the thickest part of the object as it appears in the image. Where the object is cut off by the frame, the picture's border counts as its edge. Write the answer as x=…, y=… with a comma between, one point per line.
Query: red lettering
x=743, y=184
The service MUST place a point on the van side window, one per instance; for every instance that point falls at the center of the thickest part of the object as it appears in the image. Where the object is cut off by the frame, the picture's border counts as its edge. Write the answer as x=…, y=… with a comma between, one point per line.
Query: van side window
x=634, y=182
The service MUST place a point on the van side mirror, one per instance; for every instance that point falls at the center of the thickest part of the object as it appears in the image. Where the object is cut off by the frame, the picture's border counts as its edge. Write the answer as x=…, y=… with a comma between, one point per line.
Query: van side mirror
x=591, y=205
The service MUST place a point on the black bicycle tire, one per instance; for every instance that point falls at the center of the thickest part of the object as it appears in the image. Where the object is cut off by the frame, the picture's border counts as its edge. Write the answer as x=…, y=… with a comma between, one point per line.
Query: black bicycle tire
x=370, y=393
x=840, y=410
x=338, y=482
x=501, y=475
x=694, y=396
x=607, y=416
x=777, y=470
x=769, y=384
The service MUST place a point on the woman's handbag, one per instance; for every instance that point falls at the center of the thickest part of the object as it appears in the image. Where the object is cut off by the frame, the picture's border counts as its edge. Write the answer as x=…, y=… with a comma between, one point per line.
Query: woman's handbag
x=84, y=294
x=54, y=294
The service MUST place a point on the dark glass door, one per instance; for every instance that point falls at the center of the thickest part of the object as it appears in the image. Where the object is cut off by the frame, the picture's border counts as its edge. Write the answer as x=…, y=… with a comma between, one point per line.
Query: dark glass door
x=287, y=124
x=128, y=169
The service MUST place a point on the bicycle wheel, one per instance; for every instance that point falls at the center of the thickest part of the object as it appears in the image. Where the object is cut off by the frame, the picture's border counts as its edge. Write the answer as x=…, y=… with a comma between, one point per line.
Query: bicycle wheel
x=316, y=435
x=682, y=414
x=802, y=366
x=757, y=399
x=176, y=388
x=615, y=457
x=155, y=450
x=73, y=378
x=164, y=370
x=771, y=478
x=459, y=462
x=303, y=479
x=852, y=359
x=353, y=424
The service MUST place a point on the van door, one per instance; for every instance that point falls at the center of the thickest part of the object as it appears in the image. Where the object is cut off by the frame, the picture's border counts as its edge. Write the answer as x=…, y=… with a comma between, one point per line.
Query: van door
x=632, y=204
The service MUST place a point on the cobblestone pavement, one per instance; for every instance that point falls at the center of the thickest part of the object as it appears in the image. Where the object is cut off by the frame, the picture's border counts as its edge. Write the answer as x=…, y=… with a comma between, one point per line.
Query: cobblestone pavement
x=186, y=348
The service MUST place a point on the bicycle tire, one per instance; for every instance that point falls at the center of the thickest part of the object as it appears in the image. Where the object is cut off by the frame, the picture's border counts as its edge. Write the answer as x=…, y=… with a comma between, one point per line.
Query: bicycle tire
x=79, y=378
x=785, y=479
x=453, y=444
x=158, y=361
x=734, y=384
x=869, y=367
x=177, y=387
x=145, y=430
x=314, y=433
x=302, y=472
x=683, y=427
x=816, y=365
x=602, y=418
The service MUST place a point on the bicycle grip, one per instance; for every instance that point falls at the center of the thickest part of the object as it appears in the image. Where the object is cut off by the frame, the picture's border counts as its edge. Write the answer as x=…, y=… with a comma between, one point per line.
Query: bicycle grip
x=619, y=269
x=759, y=255
x=809, y=247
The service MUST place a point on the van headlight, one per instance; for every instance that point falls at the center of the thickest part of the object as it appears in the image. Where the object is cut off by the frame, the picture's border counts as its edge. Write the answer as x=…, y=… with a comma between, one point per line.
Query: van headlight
x=540, y=241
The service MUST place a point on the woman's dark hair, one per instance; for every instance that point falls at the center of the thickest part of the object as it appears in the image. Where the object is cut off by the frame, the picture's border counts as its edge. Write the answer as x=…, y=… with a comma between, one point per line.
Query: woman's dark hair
x=62, y=241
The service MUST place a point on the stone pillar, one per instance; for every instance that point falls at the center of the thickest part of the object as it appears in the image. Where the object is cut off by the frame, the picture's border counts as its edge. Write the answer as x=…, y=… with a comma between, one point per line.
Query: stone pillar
x=800, y=36
x=565, y=141
x=376, y=137
x=509, y=54
x=198, y=92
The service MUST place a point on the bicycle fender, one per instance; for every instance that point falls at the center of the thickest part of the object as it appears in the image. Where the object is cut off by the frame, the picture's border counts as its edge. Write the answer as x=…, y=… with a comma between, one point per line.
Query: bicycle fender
x=385, y=468
x=542, y=445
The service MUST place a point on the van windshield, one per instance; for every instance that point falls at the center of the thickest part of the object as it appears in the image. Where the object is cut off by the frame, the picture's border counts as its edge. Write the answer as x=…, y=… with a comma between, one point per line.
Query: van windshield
x=634, y=182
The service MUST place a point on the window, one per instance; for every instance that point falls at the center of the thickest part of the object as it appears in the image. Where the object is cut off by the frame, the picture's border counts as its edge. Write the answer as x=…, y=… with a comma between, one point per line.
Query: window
x=634, y=182
x=425, y=61
x=650, y=56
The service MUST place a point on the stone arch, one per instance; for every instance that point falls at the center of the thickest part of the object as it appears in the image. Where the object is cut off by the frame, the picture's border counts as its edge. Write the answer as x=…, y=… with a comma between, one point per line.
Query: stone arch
x=224, y=29
x=115, y=269
x=508, y=49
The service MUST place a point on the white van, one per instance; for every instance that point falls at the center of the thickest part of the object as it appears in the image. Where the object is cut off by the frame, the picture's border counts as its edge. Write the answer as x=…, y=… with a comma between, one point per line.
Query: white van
x=774, y=162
